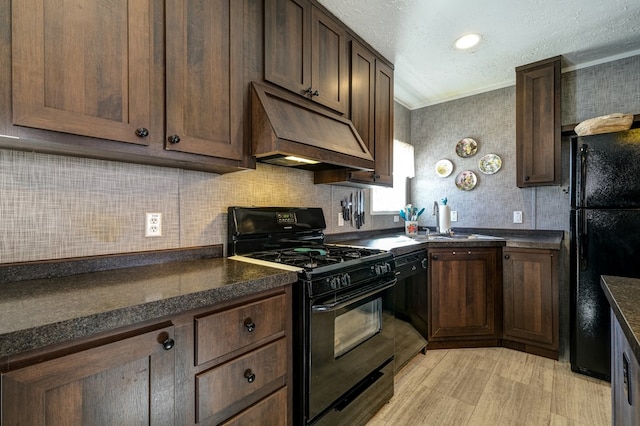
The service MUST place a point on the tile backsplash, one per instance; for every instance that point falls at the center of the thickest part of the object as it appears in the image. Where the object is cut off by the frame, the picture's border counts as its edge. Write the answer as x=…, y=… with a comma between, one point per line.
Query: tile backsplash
x=54, y=207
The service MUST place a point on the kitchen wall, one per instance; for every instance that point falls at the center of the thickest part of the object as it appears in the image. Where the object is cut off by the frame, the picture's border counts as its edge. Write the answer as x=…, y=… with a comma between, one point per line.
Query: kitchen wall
x=489, y=118
x=54, y=207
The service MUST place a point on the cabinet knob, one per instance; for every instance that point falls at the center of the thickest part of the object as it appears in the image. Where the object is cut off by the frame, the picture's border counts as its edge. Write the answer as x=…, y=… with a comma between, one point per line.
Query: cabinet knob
x=434, y=257
x=142, y=132
x=506, y=256
x=312, y=92
x=173, y=139
x=526, y=178
x=168, y=343
x=250, y=325
x=248, y=374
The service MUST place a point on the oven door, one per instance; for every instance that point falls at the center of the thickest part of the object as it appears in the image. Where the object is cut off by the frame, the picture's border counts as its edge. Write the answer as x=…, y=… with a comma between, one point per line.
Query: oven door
x=351, y=336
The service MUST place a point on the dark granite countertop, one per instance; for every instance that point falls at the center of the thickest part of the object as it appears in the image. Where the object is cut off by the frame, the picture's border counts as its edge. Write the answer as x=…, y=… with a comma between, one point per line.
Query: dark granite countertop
x=398, y=243
x=38, y=312
x=623, y=295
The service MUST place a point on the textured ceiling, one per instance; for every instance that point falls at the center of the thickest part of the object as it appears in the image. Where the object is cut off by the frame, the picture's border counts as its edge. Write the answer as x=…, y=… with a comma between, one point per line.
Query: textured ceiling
x=418, y=35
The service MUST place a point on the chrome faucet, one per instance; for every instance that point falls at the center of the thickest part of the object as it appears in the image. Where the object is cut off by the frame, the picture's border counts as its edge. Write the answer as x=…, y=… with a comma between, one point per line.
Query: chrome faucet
x=436, y=213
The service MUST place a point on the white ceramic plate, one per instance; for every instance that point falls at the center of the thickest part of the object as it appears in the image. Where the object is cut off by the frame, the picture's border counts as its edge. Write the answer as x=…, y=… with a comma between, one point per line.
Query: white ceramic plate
x=466, y=180
x=444, y=168
x=490, y=164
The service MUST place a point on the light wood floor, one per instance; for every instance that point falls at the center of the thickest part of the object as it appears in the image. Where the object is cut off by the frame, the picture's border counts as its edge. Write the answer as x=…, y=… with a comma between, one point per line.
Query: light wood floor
x=493, y=386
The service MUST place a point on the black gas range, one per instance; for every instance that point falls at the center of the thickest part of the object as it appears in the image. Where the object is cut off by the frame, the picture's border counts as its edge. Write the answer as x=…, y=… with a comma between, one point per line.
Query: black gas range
x=343, y=311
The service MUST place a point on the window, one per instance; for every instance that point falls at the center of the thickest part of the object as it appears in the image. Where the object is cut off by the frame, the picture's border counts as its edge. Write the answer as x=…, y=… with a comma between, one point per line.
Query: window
x=391, y=200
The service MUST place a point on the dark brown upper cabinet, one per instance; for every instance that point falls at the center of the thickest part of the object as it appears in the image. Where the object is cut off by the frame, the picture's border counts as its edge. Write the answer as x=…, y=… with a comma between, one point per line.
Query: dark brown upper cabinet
x=538, y=123
x=371, y=109
x=97, y=71
x=84, y=68
x=205, y=77
x=306, y=52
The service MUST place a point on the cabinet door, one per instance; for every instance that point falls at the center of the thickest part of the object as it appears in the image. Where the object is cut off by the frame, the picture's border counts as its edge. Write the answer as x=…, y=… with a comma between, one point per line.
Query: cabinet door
x=205, y=77
x=306, y=52
x=372, y=113
x=84, y=68
x=287, y=51
x=127, y=382
x=462, y=293
x=384, y=125
x=329, y=63
x=530, y=296
x=363, y=77
x=538, y=123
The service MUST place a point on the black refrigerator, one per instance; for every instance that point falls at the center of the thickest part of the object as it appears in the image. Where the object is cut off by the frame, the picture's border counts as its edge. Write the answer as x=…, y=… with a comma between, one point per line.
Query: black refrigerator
x=605, y=238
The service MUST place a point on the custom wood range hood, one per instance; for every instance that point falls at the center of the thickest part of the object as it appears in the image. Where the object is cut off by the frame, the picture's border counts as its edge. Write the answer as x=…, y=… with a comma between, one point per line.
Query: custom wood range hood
x=293, y=132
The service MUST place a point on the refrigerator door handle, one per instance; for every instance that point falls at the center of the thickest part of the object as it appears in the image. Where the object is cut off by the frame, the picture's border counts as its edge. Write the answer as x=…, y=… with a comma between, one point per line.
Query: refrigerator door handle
x=583, y=239
x=584, y=153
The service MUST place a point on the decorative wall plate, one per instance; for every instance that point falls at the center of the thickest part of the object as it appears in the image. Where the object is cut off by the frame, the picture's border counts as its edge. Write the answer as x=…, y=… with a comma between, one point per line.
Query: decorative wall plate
x=444, y=168
x=466, y=180
x=467, y=147
x=490, y=164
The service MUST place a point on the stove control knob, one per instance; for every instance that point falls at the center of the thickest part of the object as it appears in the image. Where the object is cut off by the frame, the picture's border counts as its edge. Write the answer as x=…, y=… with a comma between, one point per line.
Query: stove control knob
x=334, y=282
x=382, y=268
x=345, y=280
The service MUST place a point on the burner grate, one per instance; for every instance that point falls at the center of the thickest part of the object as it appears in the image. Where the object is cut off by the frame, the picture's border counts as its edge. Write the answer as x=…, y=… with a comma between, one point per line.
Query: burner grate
x=313, y=256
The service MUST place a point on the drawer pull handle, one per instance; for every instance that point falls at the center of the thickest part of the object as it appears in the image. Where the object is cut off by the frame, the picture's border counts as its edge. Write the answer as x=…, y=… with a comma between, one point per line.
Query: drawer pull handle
x=248, y=374
x=251, y=326
x=168, y=343
x=174, y=139
x=142, y=132
x=506, y=256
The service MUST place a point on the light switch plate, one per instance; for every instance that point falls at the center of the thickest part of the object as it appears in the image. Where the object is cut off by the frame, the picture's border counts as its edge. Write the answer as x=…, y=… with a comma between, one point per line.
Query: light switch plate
x=517, y=217
x=454, y=216
x=396, y=219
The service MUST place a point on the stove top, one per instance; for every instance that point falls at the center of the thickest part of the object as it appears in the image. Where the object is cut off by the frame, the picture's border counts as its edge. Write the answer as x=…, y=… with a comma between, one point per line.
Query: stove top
x=312, y=257
x=292, y=238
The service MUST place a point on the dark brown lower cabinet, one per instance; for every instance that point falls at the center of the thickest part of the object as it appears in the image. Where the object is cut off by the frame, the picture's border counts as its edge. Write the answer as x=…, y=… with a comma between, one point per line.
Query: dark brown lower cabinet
x=237, y=363
x=129, y=381
x=530, y=301
x=464, y=295
x=229, y=363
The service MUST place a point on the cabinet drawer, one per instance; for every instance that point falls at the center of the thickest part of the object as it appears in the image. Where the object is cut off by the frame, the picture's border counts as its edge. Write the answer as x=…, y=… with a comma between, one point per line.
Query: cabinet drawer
x=224, y=332
x=271, y=410
x=228, y=384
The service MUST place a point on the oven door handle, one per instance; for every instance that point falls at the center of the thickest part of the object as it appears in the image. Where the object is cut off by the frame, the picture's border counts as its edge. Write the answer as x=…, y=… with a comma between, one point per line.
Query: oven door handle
x=347, y=301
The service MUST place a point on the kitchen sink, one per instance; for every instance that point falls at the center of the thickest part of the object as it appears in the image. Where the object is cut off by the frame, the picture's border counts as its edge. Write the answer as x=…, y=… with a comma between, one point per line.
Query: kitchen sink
x=458, y=237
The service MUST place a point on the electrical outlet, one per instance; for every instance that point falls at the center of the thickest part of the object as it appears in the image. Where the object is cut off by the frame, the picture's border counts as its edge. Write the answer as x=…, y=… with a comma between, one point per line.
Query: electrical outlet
x=340, y=219
x=153, y=225
x=396, y=219
x=517, y=217
x=454, y=216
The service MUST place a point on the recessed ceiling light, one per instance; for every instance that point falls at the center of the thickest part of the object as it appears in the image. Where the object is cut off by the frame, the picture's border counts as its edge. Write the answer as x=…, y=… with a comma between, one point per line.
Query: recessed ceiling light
x=467, y=41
